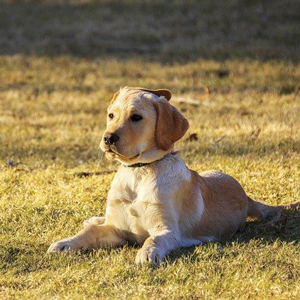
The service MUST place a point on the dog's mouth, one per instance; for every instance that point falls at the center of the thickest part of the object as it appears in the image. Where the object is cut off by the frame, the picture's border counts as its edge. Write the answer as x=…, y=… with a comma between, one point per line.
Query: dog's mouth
x=115, y=152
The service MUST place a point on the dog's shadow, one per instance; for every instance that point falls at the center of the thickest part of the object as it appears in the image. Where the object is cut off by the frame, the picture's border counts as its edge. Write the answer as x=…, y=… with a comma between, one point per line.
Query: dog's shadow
x=284, y=227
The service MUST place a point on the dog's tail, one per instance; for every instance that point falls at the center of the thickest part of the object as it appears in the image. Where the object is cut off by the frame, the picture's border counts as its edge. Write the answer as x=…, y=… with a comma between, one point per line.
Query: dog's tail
x=259, y=211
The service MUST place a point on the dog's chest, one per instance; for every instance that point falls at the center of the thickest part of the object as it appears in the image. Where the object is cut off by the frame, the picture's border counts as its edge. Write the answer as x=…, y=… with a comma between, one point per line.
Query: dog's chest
x=131, y=204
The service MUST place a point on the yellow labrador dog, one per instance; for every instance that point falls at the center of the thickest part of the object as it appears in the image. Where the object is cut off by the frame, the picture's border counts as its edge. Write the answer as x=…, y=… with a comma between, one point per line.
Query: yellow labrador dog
x=155, y=200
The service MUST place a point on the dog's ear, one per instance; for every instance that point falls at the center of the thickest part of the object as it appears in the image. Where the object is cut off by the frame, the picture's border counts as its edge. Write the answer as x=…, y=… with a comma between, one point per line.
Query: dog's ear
x=161, y=92
x=171, y=125
x=115, y=95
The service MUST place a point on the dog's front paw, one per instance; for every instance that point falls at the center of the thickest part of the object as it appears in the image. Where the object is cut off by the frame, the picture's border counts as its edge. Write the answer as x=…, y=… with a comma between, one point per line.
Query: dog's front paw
x=150, y=255
x=94, y=221
x=63, y=245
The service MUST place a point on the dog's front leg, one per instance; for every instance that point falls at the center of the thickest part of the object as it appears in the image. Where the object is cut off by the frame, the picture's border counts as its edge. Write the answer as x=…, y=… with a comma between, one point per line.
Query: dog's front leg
x=156, y=247
x=91, y=236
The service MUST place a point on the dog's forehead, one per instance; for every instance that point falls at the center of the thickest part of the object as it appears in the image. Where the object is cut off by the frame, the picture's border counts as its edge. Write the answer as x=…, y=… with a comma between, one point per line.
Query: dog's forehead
x=134, y=98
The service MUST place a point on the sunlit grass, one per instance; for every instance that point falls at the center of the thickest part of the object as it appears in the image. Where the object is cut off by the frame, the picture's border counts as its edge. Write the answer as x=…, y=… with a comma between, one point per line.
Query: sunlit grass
x=52, y=115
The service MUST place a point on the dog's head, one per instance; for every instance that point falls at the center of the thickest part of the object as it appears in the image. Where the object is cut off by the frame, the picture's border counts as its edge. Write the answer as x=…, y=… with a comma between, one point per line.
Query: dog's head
x=142, y=126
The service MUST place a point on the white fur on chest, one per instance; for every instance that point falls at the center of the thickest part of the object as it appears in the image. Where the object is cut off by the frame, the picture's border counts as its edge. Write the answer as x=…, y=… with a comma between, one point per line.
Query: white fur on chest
x=130, y=200
x=141, y=200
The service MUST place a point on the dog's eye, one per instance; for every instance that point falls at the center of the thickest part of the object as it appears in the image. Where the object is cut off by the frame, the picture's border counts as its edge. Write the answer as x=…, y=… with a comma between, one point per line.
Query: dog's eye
x=136, y=118
x=111, y=116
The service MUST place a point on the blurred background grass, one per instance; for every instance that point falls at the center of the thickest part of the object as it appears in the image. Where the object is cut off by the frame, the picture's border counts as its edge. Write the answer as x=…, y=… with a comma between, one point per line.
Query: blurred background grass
x=60, y=62
x=167, y=31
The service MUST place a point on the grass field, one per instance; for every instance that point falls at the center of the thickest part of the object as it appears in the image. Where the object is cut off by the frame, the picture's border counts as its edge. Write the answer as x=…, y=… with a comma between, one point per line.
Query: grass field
x=60, y=62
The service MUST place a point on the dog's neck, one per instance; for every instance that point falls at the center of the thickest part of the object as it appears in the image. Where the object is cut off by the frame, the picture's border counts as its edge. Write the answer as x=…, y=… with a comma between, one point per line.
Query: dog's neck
x=139, y=165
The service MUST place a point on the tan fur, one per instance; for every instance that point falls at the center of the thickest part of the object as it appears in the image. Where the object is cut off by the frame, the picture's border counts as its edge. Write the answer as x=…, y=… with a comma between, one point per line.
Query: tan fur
x=162, y=205
x=170, y=125
x=221, y=217
x=114, y=97
x=161, y=92
x=91, y=236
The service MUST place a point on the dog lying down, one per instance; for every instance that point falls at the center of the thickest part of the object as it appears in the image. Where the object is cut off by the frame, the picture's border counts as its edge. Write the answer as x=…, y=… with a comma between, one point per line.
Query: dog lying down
x=155, y=200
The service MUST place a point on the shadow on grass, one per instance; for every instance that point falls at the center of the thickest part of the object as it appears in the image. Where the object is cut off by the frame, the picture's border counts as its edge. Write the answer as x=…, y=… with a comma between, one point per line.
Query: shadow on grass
x=66, y=156
x=243, y=147
x=166, y=31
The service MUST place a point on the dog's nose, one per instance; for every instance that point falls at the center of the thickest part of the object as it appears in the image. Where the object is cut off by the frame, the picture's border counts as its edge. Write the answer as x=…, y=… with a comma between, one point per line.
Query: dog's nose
x=110, y=138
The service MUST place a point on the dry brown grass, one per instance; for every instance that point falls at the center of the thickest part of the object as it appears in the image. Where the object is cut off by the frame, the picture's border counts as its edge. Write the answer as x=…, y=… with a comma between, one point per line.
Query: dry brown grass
x=59, y=64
